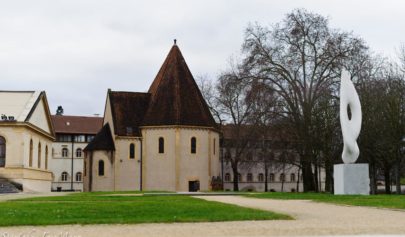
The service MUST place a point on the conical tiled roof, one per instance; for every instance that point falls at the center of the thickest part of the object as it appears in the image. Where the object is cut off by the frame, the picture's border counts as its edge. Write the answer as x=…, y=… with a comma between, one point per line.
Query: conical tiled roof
x=175, y=97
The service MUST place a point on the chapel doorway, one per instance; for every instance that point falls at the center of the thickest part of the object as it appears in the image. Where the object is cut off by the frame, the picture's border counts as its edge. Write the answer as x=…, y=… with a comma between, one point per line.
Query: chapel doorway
x=193, y=186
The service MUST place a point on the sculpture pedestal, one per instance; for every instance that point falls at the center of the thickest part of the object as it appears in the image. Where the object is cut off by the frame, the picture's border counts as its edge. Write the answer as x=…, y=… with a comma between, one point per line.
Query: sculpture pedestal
x=351, y=179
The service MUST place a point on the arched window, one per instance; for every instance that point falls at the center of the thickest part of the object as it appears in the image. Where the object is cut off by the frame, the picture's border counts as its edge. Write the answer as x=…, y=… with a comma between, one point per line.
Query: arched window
x=261, y=177
x=271, y=177
x=39, y=155
x=193, y=145
x=249, y=177
x=161, y=145
x=46, y=157
x=239, y=178
x=100, y=168
x=78, y=152
x=2, y=151
x=227, y=177
x=78, y=176
x=292, y=177
x=132, y=151
x=65, y=152
x=31, y=150
x=64, y=176
x=282, y=177
x=215, y=145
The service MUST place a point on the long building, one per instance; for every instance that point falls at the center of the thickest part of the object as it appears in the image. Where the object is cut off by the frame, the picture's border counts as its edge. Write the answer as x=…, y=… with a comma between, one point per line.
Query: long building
x=73, y=133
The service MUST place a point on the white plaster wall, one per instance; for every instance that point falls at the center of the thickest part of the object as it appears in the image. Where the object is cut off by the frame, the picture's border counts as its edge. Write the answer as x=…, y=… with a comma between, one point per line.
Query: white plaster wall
x=59, y=164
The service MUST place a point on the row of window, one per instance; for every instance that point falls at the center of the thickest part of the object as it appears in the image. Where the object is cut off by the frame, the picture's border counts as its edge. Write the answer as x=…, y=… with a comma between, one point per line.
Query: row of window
x=64, y=176
x=193, y=145
x=260, y=177
x=65, y=152
x=30, y=159
x=75, y=138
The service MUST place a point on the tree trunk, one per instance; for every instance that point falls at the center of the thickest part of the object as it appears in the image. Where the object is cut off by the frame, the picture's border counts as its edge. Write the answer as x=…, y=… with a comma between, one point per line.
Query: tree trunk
x=266, y=174
x=373, y=180
x=298, y=180
x=387, y=178
x=308, y=176
x=398, y=176
x=235, y=177
x=316, y=181
x=328, y=175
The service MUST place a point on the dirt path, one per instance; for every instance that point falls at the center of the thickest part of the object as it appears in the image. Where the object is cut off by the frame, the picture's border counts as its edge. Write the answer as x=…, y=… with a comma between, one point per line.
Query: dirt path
x=311, y=219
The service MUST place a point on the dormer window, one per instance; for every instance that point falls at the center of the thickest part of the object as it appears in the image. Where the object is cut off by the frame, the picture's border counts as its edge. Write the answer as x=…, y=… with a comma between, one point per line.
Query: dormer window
x=129, y=131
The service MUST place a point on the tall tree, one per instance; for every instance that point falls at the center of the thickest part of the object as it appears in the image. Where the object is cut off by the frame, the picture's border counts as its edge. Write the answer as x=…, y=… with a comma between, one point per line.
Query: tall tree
x=300, y=58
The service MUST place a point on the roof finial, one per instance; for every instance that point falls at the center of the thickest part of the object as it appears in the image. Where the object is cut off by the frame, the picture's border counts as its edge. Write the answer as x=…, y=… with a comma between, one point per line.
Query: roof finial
x=175, y=41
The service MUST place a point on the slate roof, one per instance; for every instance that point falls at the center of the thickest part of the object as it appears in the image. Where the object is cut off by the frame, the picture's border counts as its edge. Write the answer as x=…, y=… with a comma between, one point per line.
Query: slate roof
x=76, y=124
x=102, y=141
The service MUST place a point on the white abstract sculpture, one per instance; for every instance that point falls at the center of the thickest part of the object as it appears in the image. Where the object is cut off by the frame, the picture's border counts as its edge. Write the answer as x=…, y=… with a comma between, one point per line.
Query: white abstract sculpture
x=350, y=127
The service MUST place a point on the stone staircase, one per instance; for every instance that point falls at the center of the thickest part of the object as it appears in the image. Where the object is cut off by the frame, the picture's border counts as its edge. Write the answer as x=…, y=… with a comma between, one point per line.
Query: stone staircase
x=8, y=187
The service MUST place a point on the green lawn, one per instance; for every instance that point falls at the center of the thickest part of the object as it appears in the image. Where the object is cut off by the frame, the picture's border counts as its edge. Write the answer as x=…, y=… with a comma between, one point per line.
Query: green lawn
x=103, y=208
x=383, y=201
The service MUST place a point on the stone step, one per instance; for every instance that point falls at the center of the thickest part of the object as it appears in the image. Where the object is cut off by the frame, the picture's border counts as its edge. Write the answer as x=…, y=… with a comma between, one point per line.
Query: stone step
x=7, y=187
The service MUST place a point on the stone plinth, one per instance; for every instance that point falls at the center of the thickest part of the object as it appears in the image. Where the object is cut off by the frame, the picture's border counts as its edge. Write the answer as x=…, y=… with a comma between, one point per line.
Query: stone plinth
x=351, y=179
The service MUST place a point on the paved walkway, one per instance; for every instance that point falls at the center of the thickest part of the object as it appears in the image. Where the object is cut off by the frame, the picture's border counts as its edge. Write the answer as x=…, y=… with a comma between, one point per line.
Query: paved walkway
x=311, y=219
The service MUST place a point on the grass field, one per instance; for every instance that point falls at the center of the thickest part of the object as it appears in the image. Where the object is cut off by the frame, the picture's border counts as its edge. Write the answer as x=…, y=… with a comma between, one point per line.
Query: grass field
x=382, y=201
x=108, y=208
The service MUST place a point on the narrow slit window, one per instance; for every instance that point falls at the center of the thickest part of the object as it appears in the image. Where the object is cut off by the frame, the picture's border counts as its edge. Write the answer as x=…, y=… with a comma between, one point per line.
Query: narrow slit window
x=132, y=151
x=193, y=145
x=161, y=145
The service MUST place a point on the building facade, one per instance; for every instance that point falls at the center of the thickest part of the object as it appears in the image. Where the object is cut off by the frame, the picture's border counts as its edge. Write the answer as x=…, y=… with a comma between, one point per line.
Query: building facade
x=165, y=139
x=26, y=136
x=264, y=160
x=73, y=133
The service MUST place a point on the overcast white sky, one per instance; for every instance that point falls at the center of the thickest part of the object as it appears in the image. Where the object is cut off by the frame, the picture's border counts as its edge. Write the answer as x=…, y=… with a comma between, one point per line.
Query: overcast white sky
x=76, y=50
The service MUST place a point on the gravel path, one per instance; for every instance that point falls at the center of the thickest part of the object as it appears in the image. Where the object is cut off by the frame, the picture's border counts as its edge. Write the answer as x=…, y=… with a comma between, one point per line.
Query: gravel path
x=311, y=219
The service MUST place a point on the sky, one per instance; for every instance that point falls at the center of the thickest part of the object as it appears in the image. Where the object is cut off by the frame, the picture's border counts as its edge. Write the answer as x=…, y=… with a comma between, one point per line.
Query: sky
x=75, y=49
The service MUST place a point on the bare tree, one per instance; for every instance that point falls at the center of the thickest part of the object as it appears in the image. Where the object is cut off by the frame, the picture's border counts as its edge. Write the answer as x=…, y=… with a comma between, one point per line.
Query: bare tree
x=299, y=58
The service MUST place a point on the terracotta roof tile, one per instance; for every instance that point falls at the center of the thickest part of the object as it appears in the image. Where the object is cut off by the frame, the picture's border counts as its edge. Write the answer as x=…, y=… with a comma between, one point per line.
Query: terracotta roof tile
x=76, y=124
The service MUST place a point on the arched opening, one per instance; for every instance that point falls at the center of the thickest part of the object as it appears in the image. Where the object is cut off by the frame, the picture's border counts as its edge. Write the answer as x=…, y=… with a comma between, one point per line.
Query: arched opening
x=39, y=155
x=282, y=177
x=271, y=177
x=2, y=151
x=261, y=177
x=78, y=176
x=132, y=151
x=46, y=157
x=193, y=145
x=249, y=177
x=64, y=176
x=30, y=156
x=78, y=152
x=292, y=177
x=100, y=168
x=65, y=152
x=161, y=145
x=227, y=177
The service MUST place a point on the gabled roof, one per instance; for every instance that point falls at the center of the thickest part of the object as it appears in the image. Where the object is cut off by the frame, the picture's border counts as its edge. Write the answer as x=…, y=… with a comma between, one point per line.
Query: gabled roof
x=76, y=124
x=29, y=107
x=102, y=141
x=175, y=97
x=128, y=111
x=18, y=104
